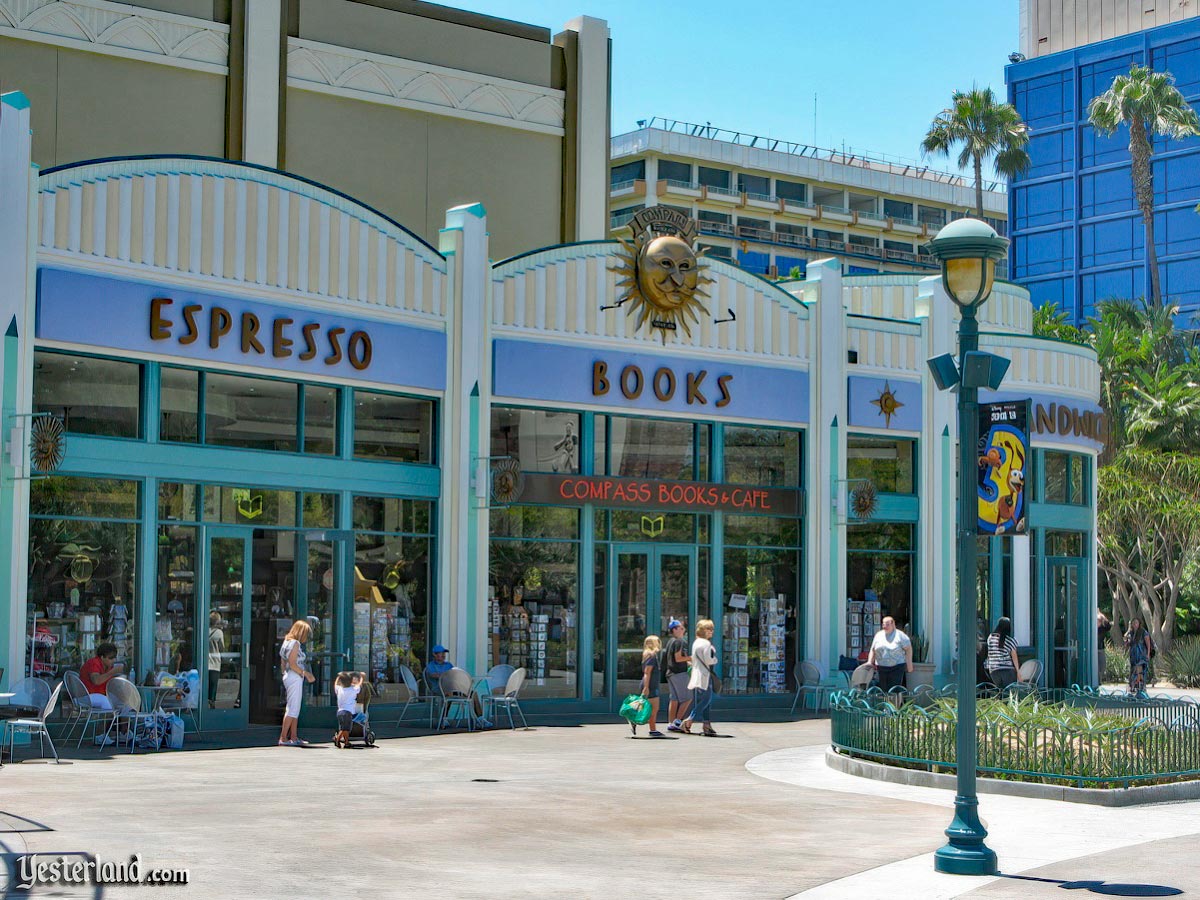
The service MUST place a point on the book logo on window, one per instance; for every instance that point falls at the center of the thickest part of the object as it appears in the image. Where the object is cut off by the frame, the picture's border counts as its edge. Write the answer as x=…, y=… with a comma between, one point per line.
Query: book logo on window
x=658, y=272
x=653, y=527
x=248, y=506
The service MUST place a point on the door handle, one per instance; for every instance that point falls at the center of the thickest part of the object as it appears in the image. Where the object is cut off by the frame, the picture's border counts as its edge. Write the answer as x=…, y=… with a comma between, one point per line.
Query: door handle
x=246, y=654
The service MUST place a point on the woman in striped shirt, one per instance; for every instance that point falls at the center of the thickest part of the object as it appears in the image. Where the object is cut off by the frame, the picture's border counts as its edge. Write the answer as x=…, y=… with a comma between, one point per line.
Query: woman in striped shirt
x=1002, y=655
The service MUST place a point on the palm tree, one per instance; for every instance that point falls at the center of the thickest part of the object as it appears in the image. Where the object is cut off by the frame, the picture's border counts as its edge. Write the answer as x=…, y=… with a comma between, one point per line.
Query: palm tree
x=1148, y=102
x=986, y=130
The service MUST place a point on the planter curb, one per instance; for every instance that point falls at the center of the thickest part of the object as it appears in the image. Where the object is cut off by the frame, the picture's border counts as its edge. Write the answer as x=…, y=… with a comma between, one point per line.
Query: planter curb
x=1133, y=796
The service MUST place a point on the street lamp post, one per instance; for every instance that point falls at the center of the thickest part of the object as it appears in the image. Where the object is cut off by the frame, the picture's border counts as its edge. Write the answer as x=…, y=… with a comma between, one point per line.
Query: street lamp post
x=967, y=250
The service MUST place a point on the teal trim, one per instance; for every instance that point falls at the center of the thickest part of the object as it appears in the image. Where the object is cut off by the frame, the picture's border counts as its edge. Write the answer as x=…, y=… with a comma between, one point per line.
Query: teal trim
x=147, y=563
x=947, y=546
x=585, y=649
x=716, y=535
x=15, y=99
x=148, y=414
x=118, y=458
x=345, y=419
x=8, y=484
x=587, y=438
x=1060, y=517
x=833, y=603
x=1044, y=639
x=236, y=718
x=996, y=561
x=471, y=603
x=896, y=508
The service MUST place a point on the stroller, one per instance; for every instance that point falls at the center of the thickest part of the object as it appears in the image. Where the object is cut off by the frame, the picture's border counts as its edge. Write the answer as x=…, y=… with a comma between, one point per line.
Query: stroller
x=360, y=728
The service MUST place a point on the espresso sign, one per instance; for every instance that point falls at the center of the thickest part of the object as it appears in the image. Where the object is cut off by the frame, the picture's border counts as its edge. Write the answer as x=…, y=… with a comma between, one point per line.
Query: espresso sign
x=681, y=496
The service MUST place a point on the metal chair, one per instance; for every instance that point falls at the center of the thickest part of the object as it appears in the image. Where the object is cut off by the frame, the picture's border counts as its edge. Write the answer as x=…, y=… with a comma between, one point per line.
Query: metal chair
x=127, y=706
x=455, y=686
x=84, y=714
x=509, y=700
x=30, y=691
x=414, y=695
x=862, y=677
x=497, y=678
x=808, y=681
x=35, y=726
x=1030, y=674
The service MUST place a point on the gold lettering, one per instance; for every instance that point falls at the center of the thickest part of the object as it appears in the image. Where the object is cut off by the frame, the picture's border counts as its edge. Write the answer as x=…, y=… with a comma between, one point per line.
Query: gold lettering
x=723, y=384
x=310, y=342
x=189, y=319
x=359, y=350
x=160, y=325
x=664, y=384
x=634, y=390
x=1045, y=420
x=280, y=346
x=693, y=388
x=250, y=334
x=600, y=383
x=219, y=323
x=335, y=345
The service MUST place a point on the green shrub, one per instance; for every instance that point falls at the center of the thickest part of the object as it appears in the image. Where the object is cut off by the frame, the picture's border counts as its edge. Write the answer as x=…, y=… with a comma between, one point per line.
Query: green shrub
x=1182, y=662
x=1116, y=665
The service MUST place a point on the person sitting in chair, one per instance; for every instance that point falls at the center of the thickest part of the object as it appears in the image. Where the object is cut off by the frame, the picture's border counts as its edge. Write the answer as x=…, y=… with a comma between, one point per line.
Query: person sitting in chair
x=439, y=666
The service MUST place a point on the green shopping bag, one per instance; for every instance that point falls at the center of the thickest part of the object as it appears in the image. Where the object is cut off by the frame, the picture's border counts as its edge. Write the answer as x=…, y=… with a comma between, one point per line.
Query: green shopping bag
x=636, y=709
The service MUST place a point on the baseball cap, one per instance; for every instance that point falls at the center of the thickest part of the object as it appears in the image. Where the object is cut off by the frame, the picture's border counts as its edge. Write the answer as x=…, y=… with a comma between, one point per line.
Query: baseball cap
x=673, y=624
x=440, y=649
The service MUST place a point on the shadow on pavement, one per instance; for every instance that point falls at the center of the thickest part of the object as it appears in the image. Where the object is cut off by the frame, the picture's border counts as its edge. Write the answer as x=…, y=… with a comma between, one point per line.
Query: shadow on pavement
x=1105, y=888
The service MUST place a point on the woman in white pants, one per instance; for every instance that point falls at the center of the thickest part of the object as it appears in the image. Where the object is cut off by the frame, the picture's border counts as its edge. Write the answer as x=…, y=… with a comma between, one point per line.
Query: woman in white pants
x=295, y=673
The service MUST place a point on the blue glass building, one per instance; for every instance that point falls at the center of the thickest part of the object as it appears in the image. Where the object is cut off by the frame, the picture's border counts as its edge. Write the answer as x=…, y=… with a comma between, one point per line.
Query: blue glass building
x=1078, y=237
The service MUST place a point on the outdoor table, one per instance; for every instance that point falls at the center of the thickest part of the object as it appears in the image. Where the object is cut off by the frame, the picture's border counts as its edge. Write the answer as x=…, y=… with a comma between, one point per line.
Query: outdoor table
x=155, y=693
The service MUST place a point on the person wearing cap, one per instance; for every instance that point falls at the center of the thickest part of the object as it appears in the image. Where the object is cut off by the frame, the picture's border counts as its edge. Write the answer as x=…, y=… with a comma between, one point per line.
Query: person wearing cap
x=677, y=661
x=436, y=668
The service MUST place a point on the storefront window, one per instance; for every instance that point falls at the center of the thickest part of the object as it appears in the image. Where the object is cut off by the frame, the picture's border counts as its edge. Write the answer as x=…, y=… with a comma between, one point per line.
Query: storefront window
x=663, y=449
x=539, y=440
x=175, y=604
x=393, y=514
x=600, y=609
x=93, y=396
x=253, y=413
x=318, y=510
x=879, y=568
x=662, y=528
x=179, y=405
x=1064, y=477
x=260, y=507
x=533, y=592
x=82, y=571
x=320, y=419
x=388, y=426
x=886, y=462
x=762, y=456
x=761, y=595
x=178, y=502
x=392, y=577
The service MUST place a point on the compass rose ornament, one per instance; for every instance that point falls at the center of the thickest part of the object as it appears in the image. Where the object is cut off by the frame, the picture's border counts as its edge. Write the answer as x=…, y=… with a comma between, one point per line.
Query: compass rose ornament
x=887, y=403
x=659, y=273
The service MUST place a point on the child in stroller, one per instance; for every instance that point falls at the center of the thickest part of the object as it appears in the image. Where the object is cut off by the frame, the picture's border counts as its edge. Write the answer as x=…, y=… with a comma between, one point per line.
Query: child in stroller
x=353, y=719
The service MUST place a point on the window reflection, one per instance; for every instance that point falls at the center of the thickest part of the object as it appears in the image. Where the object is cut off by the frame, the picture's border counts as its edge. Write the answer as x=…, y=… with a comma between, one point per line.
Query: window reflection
x=539, y=440
x=93, y=396
x=254, y=413
x=387, y=426
x=886, y=462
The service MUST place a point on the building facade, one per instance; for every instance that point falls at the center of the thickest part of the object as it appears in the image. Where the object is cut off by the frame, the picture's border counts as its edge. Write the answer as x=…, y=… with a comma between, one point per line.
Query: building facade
x=410, y=107
x=1051, y=26
x=772, y=206
x=1077, y=235
x=279, y=403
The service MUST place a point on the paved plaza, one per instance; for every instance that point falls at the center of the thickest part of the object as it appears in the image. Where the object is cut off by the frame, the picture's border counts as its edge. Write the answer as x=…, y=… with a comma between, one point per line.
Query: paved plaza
x=560, y=812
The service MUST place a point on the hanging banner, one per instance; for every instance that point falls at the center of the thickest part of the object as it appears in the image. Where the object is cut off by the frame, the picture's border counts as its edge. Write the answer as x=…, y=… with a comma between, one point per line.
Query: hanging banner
x=1002, y=452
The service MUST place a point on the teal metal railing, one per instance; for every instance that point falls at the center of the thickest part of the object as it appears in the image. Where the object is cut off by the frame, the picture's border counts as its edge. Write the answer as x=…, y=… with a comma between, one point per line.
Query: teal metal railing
x=1083, y=739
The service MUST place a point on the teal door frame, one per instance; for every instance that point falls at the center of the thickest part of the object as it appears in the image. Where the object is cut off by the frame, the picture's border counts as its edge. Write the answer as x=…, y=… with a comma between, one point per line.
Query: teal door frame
x=1076, y=633
x=654, y=554
x=238, y=717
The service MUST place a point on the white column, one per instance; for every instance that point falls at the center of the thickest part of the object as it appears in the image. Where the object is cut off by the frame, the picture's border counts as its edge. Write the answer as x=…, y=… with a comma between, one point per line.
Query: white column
x=938, y=464
x=652, y=181
x=1022, y=632
x=465, y=437
x=591, y=129
x=18, y=231
x=260, y=110
x=826, y=569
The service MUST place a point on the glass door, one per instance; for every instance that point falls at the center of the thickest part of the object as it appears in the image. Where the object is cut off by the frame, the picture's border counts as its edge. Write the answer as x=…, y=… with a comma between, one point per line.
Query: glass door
x=651, y=586
x=1064, y=590
x=226, y=632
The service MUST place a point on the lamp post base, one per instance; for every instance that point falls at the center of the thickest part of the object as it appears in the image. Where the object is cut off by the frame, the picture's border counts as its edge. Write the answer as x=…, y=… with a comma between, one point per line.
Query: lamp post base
x=965, y=853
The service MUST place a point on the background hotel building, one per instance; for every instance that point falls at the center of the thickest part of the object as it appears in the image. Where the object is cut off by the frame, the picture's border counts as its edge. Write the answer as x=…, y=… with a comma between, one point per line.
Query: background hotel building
x=772, y=206
x=410, y=107
x=1078, y=237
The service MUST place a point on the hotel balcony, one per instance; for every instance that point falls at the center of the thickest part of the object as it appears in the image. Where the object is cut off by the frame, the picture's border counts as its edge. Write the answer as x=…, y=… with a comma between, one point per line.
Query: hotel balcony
x=684, y=190
x=627, y=189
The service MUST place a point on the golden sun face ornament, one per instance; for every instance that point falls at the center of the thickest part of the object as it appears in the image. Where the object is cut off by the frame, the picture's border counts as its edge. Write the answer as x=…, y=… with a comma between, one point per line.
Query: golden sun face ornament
x=887, y=403
x=659, y=274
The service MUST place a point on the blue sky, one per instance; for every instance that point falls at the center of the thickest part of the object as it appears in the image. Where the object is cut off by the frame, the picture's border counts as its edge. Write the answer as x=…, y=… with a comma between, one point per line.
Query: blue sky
x=881, y=69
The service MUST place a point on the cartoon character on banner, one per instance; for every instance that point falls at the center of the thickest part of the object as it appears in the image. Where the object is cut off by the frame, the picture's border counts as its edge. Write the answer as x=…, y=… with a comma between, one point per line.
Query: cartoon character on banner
x=1002, y=480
